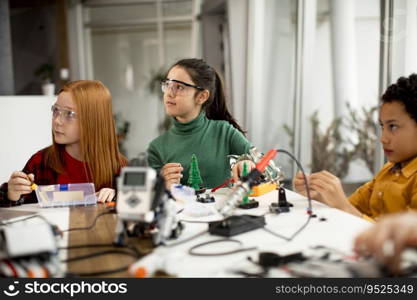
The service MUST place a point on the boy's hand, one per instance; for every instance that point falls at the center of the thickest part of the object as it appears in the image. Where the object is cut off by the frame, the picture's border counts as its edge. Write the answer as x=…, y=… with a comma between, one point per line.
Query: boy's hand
x=172, y=173
x=299, y=186
x=19, y=184
x=329, y=188
x=331, y=191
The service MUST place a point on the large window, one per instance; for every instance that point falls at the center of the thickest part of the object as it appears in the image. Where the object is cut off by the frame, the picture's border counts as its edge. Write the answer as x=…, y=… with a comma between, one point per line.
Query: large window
x=310, y=66
x=344, y=89
x=404, y=38
x=271, y=77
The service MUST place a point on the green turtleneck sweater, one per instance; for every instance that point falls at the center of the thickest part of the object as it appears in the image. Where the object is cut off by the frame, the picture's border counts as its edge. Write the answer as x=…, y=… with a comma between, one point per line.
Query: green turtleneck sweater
x=210, y=140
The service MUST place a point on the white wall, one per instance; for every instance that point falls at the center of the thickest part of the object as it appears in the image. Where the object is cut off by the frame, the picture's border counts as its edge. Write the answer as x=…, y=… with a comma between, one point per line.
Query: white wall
x=124, y=46
x=124, y=62
x=25, y=127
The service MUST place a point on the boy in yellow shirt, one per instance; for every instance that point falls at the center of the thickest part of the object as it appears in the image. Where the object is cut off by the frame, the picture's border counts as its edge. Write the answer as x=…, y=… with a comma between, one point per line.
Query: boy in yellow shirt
x=394, y=188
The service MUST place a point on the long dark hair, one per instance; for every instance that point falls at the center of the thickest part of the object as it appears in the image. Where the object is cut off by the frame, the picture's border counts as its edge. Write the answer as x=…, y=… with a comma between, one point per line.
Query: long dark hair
x=207, y=77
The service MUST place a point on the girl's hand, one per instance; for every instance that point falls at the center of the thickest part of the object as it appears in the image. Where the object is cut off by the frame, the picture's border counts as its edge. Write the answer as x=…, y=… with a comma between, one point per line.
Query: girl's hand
x=172, y=173
x=238, y=169
x=19, y=184
x=105, y=195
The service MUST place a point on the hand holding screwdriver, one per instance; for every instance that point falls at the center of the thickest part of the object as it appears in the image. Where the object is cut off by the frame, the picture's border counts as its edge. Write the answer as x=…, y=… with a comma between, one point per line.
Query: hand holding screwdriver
x=19, y=184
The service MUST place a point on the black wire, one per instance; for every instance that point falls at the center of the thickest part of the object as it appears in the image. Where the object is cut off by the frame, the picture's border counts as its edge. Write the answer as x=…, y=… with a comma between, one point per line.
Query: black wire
x=100, y=253
x=85, y=246
x=309, y=210
x=98, y=273
x=131, y=247
x=192, y=252
x=90, y=226
x=247, y=274
x=135, y=253
x=96, y=254
x=261, y=274
x=288, y=239
x=186, y=240
x=2, y=223
x=301, y=228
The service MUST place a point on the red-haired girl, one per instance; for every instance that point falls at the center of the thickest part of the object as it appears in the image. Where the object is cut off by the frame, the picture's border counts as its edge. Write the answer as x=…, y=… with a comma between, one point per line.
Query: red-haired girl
x=84, y=146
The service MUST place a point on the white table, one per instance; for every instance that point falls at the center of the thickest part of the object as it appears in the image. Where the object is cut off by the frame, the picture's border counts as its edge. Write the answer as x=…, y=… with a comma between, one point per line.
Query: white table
x=331, y=228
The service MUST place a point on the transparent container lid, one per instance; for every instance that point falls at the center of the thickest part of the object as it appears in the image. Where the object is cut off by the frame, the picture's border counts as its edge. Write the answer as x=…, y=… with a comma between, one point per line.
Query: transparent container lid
x=58, y=195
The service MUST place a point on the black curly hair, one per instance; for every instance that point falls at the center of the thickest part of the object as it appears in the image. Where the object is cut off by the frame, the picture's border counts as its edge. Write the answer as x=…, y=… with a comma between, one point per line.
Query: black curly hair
x=405, y=92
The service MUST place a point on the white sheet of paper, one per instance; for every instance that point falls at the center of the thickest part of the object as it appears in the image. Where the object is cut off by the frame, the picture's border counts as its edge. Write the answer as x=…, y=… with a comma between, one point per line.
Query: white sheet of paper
x=68, y=196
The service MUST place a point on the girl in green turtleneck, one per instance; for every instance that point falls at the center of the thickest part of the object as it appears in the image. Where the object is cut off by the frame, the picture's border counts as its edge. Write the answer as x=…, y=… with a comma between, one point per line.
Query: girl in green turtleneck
x=194, y=97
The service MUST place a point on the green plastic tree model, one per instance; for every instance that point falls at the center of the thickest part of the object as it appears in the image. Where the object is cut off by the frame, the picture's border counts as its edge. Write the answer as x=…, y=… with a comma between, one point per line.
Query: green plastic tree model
x=194, y=178
x=245, y=173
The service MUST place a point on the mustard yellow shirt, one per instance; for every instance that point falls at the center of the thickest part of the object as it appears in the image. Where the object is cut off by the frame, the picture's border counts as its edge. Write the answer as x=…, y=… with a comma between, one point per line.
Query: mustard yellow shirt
x=393, y=189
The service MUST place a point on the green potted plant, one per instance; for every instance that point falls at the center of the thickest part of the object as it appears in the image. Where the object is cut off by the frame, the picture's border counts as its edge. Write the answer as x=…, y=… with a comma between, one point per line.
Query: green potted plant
x=45, y=73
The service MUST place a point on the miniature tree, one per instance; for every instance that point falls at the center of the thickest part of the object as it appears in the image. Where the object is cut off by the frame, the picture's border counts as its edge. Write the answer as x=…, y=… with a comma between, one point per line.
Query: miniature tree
x=194, y=178
x=245, y=173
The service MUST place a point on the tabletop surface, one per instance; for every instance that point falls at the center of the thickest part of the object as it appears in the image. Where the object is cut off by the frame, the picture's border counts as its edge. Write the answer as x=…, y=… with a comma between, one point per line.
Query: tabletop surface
x=330, y=228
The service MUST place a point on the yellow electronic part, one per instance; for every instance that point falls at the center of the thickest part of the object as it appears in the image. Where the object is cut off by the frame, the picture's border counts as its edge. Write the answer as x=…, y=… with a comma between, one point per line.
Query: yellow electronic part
x=262, y=189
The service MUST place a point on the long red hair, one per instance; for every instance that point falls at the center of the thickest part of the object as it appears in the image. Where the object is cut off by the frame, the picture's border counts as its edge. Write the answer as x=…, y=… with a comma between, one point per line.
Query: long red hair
x=98, y=141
